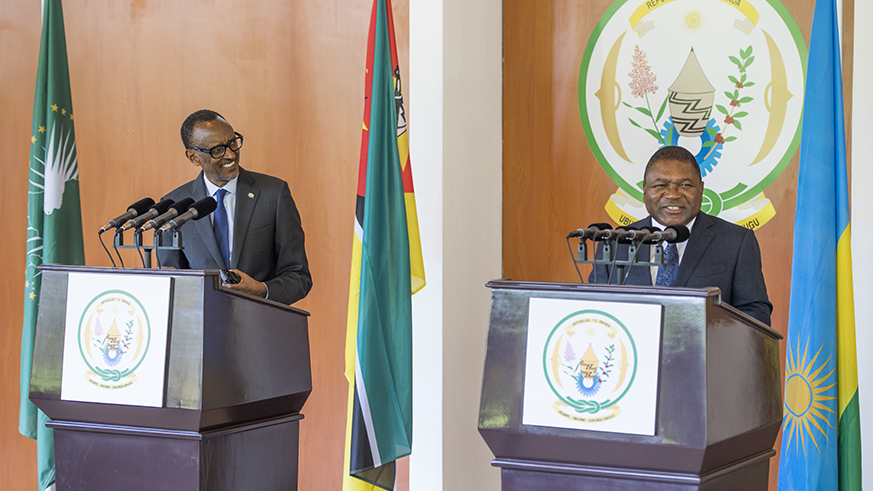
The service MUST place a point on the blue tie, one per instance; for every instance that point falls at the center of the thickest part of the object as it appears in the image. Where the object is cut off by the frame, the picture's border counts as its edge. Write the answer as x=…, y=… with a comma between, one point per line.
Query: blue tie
x=667, y=272
x=219, y=226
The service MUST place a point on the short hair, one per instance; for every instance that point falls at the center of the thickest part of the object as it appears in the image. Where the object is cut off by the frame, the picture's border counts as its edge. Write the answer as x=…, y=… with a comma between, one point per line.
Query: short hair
x=201, y=116
x=676, y=153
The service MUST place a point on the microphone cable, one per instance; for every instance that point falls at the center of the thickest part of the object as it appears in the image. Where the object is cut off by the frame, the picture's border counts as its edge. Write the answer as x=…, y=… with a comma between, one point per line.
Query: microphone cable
x=115, y=247
x=157, y=239
x=138, y=245
x=100, y=238
x=573, y=258
x=631, y=261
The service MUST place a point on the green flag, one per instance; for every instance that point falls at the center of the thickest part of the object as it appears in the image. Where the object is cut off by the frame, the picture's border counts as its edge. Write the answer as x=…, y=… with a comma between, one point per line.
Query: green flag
x=54, y=219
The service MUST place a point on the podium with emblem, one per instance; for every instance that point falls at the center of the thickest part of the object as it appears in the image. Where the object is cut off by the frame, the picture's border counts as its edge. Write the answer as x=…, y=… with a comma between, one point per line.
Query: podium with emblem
x=164, y=380
x=607, y=387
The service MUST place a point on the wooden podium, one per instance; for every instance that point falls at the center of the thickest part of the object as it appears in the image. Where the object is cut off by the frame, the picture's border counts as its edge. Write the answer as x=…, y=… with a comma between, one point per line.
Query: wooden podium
x=237, y=374
x=719, y=402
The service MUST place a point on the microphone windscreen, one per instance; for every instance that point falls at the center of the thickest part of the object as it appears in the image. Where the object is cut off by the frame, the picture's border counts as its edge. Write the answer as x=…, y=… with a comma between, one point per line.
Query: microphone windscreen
x=162, y=206
x=182, y=205
x=204, y=207
x=600, y=226
x=142, y=205
x=682, y=233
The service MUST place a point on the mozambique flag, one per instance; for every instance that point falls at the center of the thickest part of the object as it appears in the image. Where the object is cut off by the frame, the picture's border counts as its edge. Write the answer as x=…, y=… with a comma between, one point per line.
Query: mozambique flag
x=54, y=219
x=386, y=269
x=821, y=437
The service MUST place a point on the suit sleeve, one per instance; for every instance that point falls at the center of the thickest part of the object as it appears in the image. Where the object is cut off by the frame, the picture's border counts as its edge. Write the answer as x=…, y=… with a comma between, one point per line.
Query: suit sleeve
x=293, y=280
x=748, y=288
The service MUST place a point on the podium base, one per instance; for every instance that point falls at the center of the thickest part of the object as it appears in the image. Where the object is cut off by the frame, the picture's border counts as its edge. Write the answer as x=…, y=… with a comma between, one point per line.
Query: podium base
x=751, y=474
x=260, y=455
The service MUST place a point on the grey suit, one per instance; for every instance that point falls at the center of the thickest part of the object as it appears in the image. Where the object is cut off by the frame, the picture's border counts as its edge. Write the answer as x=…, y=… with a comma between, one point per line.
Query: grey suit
x=268, y=240
x=718, y=254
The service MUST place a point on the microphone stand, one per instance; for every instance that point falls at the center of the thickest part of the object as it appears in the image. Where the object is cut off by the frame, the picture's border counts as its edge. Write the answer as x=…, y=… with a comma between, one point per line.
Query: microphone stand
x=175, y=244
x=622, y=267
x=606, y=257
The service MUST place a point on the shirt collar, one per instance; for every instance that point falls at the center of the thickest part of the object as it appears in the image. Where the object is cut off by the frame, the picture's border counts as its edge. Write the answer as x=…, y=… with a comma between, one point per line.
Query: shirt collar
x=689, y=225
x=230, y=187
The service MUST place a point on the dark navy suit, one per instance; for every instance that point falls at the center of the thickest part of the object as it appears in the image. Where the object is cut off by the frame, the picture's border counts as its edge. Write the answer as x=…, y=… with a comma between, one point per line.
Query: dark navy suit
x=268, y=240
x=718, y=254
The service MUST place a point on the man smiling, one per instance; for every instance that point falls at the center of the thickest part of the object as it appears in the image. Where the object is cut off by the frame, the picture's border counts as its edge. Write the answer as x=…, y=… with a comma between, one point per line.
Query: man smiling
x=718, y=253
x=255, y=230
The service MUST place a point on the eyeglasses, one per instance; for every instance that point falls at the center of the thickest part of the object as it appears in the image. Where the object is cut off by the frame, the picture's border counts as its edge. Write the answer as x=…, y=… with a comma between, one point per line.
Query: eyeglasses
x=218, y=151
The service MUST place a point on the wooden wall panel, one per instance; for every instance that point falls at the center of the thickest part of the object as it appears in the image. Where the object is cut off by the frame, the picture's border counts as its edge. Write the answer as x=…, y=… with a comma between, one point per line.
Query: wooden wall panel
x=288, y=75
x=552, y=183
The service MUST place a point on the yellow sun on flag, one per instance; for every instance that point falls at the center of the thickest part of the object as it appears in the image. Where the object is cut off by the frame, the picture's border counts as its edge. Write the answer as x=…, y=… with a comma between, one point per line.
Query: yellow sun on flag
x=692, y=21
x=805, y=399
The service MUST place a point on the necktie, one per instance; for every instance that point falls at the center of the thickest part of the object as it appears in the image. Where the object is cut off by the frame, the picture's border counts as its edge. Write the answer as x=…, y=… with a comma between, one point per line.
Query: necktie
x=667, y=272
x=219, y=226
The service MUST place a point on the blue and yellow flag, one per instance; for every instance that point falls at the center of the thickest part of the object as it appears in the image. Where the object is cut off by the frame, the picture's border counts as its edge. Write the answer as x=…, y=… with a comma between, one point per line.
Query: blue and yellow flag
x=386, y=269
x=821, y=437
x=54, y=219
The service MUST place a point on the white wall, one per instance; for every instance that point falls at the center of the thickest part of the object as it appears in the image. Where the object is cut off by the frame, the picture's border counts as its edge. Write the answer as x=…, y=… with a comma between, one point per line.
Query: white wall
x=862, y=233
x=456, y=140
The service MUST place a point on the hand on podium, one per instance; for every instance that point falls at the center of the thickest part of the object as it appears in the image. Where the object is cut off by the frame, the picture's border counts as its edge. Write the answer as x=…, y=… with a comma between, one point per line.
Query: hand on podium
x=247, y=284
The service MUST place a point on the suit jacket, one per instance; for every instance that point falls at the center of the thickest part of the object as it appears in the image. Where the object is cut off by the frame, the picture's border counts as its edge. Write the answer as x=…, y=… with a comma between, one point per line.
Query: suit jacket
x=268, y=240
x=718, y=254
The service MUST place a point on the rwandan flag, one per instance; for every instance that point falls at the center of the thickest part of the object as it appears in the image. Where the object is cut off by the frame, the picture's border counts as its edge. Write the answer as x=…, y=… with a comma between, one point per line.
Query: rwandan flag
x=54, y=219
x=821, y=437
x=386, y=269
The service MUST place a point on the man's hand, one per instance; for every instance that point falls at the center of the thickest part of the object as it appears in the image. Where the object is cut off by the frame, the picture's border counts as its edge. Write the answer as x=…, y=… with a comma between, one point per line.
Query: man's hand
x=247, y=284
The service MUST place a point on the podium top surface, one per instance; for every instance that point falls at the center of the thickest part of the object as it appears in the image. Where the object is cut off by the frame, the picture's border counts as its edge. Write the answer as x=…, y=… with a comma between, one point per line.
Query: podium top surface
x=168, y=272
x=712, y=294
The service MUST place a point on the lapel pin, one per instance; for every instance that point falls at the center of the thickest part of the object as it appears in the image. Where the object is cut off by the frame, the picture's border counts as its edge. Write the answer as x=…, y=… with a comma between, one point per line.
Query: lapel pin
x=251, y=195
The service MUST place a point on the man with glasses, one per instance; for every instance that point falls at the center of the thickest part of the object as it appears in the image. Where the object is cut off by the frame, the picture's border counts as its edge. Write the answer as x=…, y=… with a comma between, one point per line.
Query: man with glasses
x=255, y=230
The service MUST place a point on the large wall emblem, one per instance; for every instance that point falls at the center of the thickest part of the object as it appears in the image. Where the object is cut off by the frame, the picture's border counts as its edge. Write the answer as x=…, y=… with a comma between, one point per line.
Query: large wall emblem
x=722, y=78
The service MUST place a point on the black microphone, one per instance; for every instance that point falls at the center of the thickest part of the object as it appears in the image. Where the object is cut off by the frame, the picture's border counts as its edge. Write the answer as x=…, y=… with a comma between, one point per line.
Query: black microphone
x=632, y=235
x=132, y=211
x=611, y=234
x=177, y=209
x=673, y=233
x=159, y=209
x=197, y=211
x=587, y=233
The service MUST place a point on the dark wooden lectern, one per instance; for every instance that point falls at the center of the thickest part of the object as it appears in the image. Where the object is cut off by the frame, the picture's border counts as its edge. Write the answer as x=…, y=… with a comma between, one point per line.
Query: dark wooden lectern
x=719, y=402
x=236, y=377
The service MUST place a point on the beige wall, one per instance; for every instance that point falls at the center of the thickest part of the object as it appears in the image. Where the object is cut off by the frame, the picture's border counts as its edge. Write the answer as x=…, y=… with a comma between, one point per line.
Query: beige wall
x=288, y=75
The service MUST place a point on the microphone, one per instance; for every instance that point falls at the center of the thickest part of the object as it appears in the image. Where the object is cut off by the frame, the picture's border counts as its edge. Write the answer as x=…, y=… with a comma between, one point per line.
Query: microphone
x=197, y=211
x=587, y=233
x=611, y=234
x=178, y=208
x=132, y=211
x=632, y=235
x=158, y=209
x=673, y=233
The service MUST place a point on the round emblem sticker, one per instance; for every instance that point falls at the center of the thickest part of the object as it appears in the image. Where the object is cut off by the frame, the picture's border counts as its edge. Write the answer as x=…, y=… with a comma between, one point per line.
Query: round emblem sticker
x=114, y=335
x=590, y=363
x=722, y=78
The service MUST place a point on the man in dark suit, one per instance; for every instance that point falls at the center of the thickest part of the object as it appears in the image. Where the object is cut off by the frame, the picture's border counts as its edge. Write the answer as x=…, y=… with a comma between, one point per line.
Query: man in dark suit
x=255, y=230
x=718, y=253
